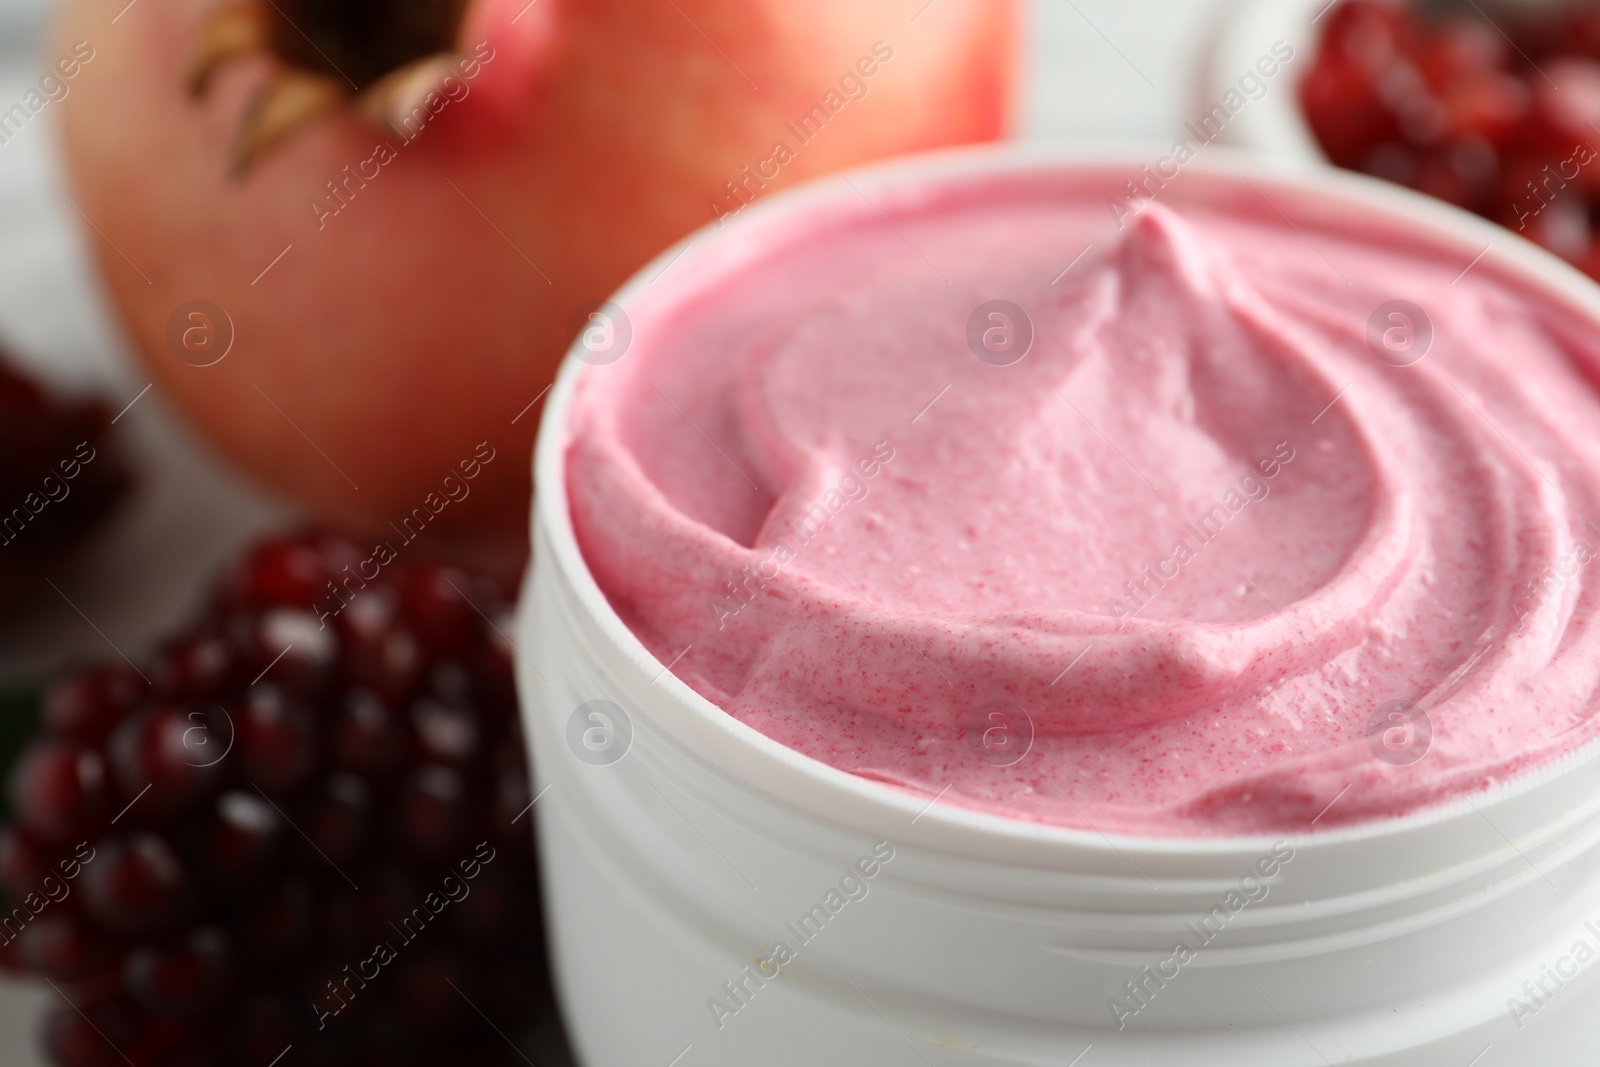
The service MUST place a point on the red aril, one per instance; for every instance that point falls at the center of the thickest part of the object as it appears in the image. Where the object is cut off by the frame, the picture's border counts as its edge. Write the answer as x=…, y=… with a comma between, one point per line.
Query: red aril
x=1500, y=118
x=62, y=791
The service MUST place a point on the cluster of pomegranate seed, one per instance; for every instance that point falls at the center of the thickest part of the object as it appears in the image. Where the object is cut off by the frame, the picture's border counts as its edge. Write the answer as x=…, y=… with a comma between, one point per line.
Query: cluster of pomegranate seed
x=1501, y=117
x=302, y=831
x=58, y=475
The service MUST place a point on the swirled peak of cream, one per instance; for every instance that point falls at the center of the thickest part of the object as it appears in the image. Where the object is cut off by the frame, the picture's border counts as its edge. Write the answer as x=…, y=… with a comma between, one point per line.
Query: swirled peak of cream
x=1199, y=563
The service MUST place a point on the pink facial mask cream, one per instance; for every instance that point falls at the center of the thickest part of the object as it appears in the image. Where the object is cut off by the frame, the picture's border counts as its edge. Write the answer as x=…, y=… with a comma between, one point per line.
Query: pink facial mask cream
x=1233, y=524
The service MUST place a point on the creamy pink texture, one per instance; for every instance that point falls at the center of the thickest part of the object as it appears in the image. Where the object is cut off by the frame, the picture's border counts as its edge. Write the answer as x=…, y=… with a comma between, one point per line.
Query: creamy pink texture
x=1192, y=542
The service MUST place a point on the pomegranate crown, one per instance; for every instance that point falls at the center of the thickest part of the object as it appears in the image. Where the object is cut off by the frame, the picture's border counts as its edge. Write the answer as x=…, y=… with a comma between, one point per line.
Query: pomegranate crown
x=379, y=54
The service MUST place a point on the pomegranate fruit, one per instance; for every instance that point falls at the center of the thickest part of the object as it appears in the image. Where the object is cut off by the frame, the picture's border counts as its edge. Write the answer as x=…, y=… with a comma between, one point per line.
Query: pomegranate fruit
x=384, y=294
x=324, y=843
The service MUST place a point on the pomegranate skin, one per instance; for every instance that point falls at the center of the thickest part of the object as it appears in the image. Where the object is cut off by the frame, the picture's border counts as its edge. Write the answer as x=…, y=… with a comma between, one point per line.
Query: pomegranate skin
x=426, y=315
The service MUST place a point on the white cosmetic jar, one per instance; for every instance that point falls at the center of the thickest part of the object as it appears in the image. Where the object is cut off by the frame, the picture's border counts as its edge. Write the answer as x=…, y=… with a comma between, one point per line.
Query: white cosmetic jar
x=681, y=848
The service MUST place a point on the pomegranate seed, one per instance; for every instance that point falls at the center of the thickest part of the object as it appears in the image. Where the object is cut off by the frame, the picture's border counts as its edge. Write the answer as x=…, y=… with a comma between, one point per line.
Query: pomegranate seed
x=338, y=818
x=262, y=1028
x=451, y=682
x=62, y=791
x=283, y=573
x=1489, y=106
x=431, y=990
x=63, y=947
x=276, y=740
x=244, y=841
x=11, y=961
x=104, y=982
x=1577, y=103
x=380, y=910
x=92, y=1037
x=186, y=978
x=442, y=619
x=510, y=815
x=195, y=669
x=287, y=648
x=136, y=885
x=510, y=986
x=501, y=905
x=368, y=737
x=23, y=864
x=176, y=1043
x=1344, y=108
x=84, y=707
x=433, y=812
x=494, y=675
x=165, y=761
x=1462, y=50
x=447, y=733
x=279, y=927
x=39, y=433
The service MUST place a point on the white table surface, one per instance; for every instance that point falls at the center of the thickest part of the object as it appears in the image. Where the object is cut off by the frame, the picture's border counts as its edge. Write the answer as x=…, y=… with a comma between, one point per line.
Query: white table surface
x=1105, y=70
